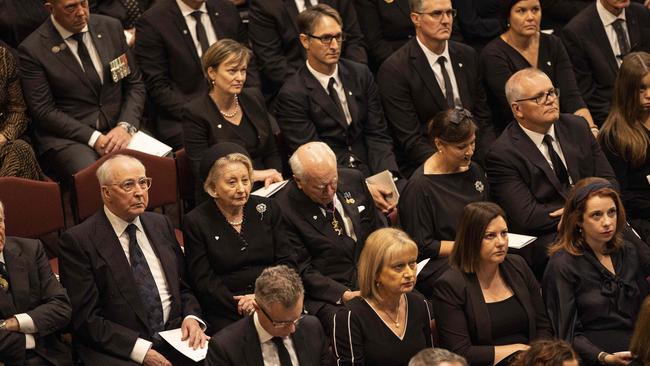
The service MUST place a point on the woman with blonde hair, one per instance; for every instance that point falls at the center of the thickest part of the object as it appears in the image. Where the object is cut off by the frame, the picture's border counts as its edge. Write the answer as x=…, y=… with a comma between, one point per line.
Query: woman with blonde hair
x=595, y=281
x=625, y=138
x=388, y=324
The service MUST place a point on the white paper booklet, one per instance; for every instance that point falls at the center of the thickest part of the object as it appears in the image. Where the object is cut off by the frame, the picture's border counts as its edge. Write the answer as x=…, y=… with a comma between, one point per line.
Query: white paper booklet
x=385, y=180
x=173, y=337
x=518, y=241
x=421, y=265
x=147, y=144
x=271, y=189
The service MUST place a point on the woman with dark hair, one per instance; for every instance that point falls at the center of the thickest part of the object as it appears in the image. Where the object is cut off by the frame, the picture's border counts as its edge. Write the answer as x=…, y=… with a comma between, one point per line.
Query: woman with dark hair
x=17, y=158
x=523, y=46
x=434, y=197
x=640, y=345
x=625, y=138
x=230, y=113
x=488, y=306
x=547, y=352
x=595, y=281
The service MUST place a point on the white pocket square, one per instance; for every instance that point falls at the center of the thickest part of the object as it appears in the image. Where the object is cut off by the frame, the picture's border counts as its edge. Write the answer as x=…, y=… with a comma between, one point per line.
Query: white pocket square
x=361, y=208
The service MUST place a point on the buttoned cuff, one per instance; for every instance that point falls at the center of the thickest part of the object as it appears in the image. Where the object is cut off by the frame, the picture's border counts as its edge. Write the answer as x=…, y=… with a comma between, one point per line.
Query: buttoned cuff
x=26, y=323
x=140, y=349
x=201, y=323
x=30, y=341
x=93, y=139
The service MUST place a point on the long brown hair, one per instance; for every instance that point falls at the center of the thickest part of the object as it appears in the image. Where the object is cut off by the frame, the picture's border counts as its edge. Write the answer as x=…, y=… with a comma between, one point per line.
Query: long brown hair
x=547, y=352
x=640, y=345
x=623, y=130
x=570, y=236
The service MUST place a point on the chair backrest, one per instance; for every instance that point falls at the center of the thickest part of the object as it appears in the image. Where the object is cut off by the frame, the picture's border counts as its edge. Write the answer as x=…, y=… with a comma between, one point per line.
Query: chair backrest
x=32, y=208
x=186, y=180
x=163, y=191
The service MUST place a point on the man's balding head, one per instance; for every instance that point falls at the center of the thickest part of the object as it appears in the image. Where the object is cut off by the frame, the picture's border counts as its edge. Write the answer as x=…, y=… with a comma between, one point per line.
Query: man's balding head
x=533, y=100
x=314, y=169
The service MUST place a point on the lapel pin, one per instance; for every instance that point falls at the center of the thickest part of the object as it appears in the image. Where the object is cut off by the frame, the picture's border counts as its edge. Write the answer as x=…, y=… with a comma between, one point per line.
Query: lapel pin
x=99, y=36
x=349, y=93
x=216, y=237
x=184, y=31
x=315, y=217
x=548, y=63
x=219, y=125
x=388, y=1
x=56, y=49
x=478, y=185
x=216, y=13
x=460, y=64
x=63, y=46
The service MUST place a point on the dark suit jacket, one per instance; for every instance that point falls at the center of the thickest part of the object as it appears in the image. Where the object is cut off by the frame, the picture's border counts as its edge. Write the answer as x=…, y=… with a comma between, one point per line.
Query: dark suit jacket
x=306, y=113
x=462, y=315
x=523, y=182
x=411, y=97
x=61, y=100
x=239, y=344
x=594, y=61
x=109, y=313
x=204, y=126
x=386, y=26
x=274, y=35
x=171, y=67
x=36, y=292
x=116, y=9
x=327, y=269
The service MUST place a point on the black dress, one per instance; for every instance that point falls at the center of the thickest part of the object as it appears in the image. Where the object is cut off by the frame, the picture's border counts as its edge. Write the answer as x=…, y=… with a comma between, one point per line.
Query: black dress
x=429, y=210
x=589, y=306
x=362, y=338
x=499, y=61
x=635, y=187
x=222, y=263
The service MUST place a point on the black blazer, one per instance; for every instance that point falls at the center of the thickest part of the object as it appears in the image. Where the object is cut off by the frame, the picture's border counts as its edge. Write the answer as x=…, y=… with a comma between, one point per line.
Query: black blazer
x=116, y=9
x=275, y=38
x=109, y=313
x=523, y=182
x=204, y=126
x=327, y=269
x=239, y=344
x=306, y=113
x=594, y=61
x=171, y=67
x=462, y=316
x=411, y=97
x=221, y=264
x=386, y=26
x=36, y=292
x=63, y=104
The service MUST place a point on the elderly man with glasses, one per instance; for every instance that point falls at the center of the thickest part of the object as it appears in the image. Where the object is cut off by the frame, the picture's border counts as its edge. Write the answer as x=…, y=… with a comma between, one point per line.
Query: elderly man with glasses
x=533, y=164
x=278, y=333
x=124, y=272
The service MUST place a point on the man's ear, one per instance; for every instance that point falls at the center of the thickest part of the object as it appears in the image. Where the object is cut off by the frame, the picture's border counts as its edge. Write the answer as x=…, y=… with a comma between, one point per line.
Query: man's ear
x=516, y=110
x=298, y=181
x=415, y=19
x=48, y=6
x=106, y=193
x=304, y=40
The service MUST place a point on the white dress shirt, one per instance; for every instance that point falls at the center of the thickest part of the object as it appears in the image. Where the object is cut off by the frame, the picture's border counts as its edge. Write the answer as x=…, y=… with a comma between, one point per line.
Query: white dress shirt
x=25, y=322
x=300, y=4
x=191, y=24
x=538, y=140
x=347, y=221
x=269, y=351
x=608, y=19
x=324, y=80
x=432, y=59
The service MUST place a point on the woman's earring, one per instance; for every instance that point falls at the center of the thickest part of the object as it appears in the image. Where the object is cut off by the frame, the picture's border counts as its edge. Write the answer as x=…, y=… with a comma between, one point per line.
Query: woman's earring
x=212, y=81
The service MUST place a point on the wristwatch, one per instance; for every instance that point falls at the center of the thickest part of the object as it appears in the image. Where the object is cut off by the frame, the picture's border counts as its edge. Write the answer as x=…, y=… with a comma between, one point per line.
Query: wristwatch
x=128, y=127
x=3, y=324
x=601, y=357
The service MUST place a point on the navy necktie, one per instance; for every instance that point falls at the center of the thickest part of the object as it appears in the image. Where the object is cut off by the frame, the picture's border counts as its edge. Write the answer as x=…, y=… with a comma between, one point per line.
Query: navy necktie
x=335, y=96
x=558, y=166
x=283, y=354
x=145, y=282
x=201, y=36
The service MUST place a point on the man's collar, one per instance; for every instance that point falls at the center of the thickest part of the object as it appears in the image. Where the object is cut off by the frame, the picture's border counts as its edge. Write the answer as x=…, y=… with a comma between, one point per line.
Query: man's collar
x=119, y=225
x=324, y=79
x=536, y=137
x=2, y=254
x=65, y=34
x=261, y=332
x=605, y=16
x=431, y=56
x=187, y=10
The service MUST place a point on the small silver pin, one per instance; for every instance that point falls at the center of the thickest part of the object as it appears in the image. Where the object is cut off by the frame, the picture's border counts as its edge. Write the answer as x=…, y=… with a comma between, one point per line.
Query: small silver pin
x=216, y=237
x=219, y=125
x=184, y=31
x=548, y=63
x=349, y=93
x=99, y=36
x=216, y=13
x=460, y=64
x=315, y=217
x=56, y=49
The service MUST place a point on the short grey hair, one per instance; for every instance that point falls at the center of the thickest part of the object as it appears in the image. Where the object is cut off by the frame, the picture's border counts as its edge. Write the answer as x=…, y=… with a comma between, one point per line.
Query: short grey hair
x=416, y=5
x=315, y=152
x=105, y=171
x=514, y=90
x=219, y=165
x=279, y=284
x=436, y=356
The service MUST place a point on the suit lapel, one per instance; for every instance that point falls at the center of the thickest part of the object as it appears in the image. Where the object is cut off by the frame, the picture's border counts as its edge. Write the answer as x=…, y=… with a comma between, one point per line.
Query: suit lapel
x=18, y=277
x=255, y=116
x=53, y=42
x=421, y=65
x=100, y=39
x=633, y=30
x=521, y=293
x=292, y=10
x=458, y=64
x=181, y=26
x=403, y=5
x=320, y=97
x=301, y=348
x=351, y=92
x=213, y=13
x=111, y=251
x=569, y=150
x=253, y=348
x=313, y=213
x=598, y=32
x=479, y=308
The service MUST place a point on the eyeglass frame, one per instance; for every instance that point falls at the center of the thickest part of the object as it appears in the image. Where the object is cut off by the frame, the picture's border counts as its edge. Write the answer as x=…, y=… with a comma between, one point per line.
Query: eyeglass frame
x=437, y=14
x=340, y=38
x=282, y=324
x=544, y=95
x=148, y=181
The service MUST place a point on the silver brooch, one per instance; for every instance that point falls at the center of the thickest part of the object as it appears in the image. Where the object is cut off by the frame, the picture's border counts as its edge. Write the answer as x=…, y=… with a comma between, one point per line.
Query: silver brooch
x=479, y=186
x=261, y=208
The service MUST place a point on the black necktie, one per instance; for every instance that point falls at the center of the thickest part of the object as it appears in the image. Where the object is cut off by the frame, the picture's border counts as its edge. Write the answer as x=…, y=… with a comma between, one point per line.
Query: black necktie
x=283, y=354
x=133, y=12
x=558, y=166
x=621, y=35
x=335, y=96
x=146, y=284
x=201, y=36
x=87, y=63
x=449, y=90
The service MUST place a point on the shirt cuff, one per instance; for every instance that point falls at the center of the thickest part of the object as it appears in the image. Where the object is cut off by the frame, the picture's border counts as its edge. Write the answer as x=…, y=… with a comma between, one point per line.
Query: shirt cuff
x=201, y=323
x=140, y=349
x=93, y=139
x=26, y=323
x=30, y=342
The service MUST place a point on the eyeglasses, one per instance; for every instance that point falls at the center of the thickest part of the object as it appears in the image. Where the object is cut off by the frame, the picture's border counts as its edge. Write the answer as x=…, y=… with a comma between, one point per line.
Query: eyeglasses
x=129, y=185
x=326, y=39
x=282, y=324
x=543, y=98
x=437, y=14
